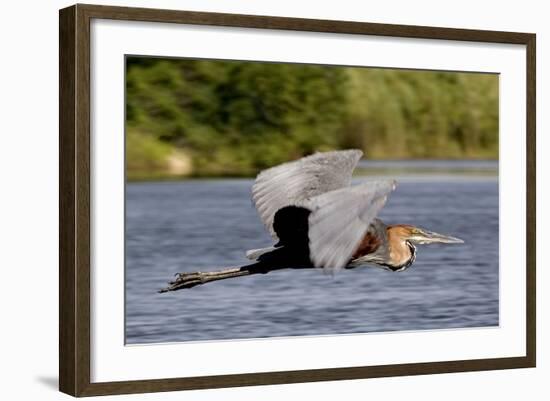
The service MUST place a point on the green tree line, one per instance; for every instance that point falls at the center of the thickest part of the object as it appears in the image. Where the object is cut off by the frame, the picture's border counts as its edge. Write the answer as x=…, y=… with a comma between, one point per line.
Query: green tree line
x=230, y=118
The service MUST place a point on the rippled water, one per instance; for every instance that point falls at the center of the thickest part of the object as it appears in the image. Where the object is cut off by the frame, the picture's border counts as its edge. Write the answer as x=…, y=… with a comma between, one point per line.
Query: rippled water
x=208, y=224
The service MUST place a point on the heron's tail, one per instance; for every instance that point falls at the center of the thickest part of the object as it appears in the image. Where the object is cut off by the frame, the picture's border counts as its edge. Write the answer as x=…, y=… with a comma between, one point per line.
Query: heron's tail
x=254, y=254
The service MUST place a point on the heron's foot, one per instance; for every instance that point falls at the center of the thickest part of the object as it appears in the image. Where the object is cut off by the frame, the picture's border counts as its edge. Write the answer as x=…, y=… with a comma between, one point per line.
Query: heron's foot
x=185, y=280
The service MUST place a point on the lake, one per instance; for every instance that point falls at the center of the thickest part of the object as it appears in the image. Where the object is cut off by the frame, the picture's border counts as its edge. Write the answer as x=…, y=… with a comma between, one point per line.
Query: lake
x=203, y=225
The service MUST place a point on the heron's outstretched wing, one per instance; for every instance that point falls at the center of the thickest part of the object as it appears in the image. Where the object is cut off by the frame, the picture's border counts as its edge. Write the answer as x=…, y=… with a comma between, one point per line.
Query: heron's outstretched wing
x=339, y=220
x=293, y=182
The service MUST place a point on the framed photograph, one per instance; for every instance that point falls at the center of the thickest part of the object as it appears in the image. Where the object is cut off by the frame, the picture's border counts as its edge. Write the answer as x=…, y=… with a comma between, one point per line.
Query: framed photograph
x=250, y=200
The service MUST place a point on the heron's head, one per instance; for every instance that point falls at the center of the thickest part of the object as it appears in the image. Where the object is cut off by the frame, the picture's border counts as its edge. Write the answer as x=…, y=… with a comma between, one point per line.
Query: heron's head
x=420, y=236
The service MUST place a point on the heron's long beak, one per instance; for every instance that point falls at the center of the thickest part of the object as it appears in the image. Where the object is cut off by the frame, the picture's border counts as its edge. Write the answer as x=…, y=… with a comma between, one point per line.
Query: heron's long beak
x=429, y=237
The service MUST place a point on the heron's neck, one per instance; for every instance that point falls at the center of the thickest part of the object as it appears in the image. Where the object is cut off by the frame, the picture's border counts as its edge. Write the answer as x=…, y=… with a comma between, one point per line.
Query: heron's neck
x=401, y=252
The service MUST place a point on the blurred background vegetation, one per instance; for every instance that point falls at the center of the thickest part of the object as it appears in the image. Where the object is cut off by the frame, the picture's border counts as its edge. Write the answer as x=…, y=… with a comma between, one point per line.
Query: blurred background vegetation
x=232, y=118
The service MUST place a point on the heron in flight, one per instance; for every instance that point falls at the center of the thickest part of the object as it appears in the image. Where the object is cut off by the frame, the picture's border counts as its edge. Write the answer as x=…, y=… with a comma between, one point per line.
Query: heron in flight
x=319, y=220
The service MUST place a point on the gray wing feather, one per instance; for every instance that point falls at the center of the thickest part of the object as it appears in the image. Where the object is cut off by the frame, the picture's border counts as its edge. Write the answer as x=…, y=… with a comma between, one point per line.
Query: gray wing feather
x=339, y=220
x=293, y=182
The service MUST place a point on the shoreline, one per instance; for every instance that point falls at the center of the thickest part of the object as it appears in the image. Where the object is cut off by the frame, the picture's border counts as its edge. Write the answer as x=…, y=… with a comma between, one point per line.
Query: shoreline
x=400, y=176
x=365, y=168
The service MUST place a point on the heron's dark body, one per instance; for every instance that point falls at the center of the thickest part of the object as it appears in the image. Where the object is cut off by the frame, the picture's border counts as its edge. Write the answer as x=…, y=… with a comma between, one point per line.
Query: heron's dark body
x=292, y=250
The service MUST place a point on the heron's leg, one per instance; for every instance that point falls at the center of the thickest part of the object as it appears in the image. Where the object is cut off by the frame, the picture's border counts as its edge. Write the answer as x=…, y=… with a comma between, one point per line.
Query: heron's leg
x=189, y=280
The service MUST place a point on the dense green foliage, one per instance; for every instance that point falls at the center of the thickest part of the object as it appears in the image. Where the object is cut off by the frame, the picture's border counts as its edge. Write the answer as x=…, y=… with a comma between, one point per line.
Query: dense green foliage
x=234, y=118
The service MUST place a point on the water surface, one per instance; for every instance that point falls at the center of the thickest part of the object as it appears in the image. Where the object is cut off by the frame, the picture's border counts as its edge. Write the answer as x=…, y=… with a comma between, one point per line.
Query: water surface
x=209, y=224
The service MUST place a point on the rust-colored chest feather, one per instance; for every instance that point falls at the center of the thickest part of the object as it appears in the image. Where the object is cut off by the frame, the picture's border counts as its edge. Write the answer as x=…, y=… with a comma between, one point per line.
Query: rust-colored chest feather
x=369, y=244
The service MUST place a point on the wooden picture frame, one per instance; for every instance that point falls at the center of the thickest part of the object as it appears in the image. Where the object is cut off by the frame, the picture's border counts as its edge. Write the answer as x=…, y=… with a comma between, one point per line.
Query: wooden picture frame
x=74, y=204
